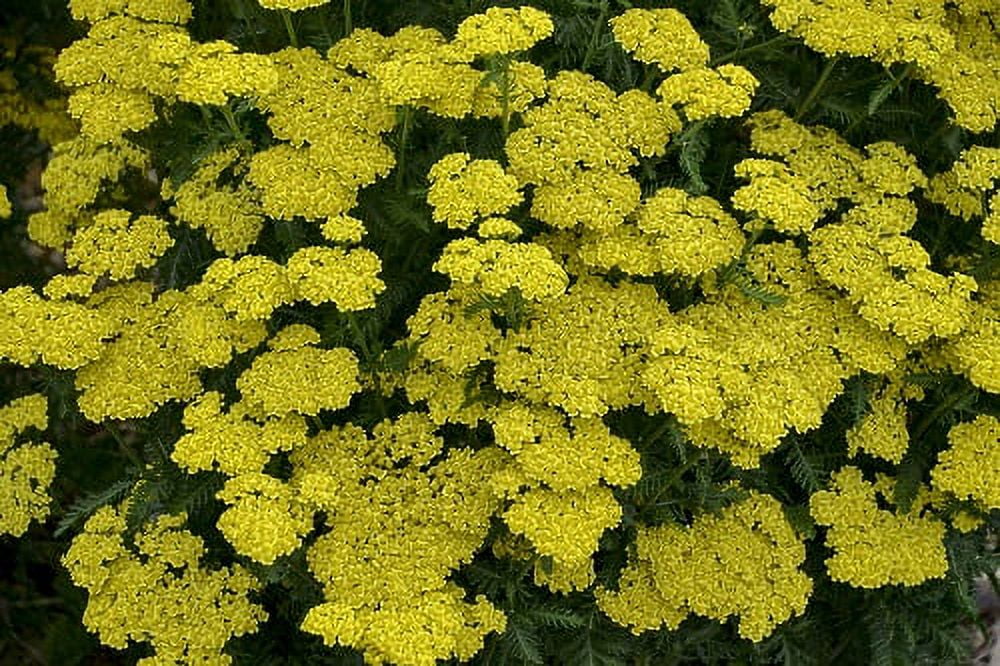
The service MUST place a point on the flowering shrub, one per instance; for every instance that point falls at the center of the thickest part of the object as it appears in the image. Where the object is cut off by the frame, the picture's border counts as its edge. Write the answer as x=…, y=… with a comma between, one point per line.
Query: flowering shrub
x=402, y=333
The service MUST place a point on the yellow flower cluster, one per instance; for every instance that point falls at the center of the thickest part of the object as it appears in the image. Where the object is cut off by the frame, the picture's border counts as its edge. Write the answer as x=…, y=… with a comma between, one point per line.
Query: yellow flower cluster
x=230, y=215
x=664, y=37
x=882, y=431
x=564, y=525
x=302, y=379
x=976, y=351
x=952, y=45
x=402, y=515
x=743, y=562
x=496, y=267
x=559, y=504
x=331, y=122
x=233, y=442
x=249, y=288
x=463, y=191
x=292, y=5
x=214, y=71
x=872, y=546
x=64, y=334
x=586, y=182
x=966, y=187
x=165, y=11
x=26, y=470
x=584, y=351
x=78, y=172
x=347, y=278
x=705, y=92
x=444, y=333
x=500, y=30
x=969, y=468
x=673, y=232
x=161, y=346
x=865, y=263
x=451, y=336
x=264, y=519
x=106, y=112
x=157, y=592
x=739, y=375
x=116, y=245
x=5, y=205
x=866, y=251
x=563, y=454
x=813, y=169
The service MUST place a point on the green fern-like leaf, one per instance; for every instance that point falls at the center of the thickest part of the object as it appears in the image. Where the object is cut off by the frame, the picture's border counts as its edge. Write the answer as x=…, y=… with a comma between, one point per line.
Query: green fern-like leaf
x=521, y=641
x=84, y=507
x=693, y=143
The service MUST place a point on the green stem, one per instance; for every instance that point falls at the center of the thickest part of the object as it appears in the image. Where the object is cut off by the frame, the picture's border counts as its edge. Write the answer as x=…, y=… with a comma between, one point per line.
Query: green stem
x=359, y=335
x=348, y=22
x=741, y=52
x=505, y=90
x=403, y=140
x=234, y=127
x=814, y=93
x=946, y=405
x=286, y=16
x=648, y=77
x=124, y=447
x=592, y=46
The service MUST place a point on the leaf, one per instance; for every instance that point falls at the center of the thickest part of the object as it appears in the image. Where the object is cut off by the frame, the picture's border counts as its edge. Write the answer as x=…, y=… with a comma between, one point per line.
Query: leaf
x=84, y=507
x=801, y=520
x=880, y=95
x=596, y=646
x=555, y=617
x=693, y=144
x=521, y=641
x=804, y=471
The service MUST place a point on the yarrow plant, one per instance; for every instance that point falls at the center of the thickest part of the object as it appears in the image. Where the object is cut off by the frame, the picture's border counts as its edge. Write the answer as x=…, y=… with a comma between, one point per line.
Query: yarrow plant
x=399, y=333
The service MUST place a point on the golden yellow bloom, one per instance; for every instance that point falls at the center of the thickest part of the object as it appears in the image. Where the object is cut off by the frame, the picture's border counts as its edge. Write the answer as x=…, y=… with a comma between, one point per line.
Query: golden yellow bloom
x=251, y=287
x=232, y=441
x=399, y=527
x=292, y=5
x=116, y=245
x=703, y=92
x=663, y=37
x=164, y=11
x=157, y=592
x=498, y=266
x=26, y=470
x=305, y=381
x=968, y=468
x=214, y=71
x=106, y=112
x=743, y=562
x=500, y=30
x=230, y=215
x=882, y=432
x=264, y=520
x=463, y=190
x=565, y=525
x=347, y=278
x=564, y=454
x=872, y=546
